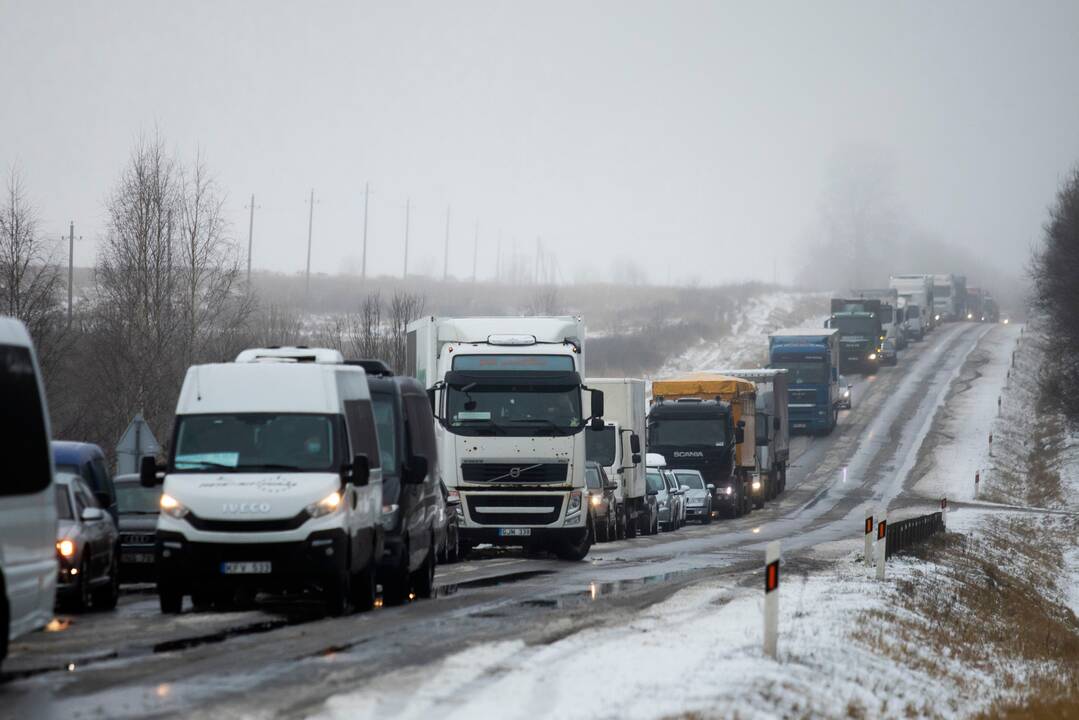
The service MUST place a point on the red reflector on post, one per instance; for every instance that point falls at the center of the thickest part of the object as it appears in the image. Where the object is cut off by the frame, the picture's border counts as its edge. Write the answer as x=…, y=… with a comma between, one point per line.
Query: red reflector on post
x=869, y=525
x=882, y=529
x=771, y=576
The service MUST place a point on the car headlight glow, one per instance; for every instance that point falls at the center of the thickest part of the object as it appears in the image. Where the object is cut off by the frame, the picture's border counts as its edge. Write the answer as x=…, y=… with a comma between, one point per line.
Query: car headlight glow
x=172, y=507
x=846, y=393
x=756, y=484
x=65, y=547
x=326, y=505
x=872, y=356
x=596, y=500
x=729, y=490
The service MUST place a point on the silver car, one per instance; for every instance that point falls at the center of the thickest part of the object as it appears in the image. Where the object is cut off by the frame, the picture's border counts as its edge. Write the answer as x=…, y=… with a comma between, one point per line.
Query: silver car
x=697, y=495
x=678, y=501
x=87, y=548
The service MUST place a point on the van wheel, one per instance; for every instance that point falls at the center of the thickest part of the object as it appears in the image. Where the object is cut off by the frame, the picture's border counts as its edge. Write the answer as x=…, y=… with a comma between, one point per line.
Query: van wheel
x=423, y=580
x=336, y=593
x=395, y=583
x=170, y=597
x=106, y=597
x=364, y=586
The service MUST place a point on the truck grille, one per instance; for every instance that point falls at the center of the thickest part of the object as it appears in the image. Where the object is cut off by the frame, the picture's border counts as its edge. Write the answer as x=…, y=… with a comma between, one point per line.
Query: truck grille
x=514, y=509
x=523, y=472
x=808, y=397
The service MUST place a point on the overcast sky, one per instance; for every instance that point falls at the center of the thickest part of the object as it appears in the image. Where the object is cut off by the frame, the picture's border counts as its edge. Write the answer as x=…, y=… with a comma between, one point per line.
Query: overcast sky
x=695, y=135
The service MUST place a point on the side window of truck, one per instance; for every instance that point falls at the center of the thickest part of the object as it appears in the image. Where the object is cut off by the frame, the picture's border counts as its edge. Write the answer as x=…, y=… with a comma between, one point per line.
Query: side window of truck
x=22, y=424
x=362, y=435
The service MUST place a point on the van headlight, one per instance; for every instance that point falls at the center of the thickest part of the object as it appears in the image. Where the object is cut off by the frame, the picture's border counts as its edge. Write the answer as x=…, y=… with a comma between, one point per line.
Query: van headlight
x=325, y=506
x=172, y=507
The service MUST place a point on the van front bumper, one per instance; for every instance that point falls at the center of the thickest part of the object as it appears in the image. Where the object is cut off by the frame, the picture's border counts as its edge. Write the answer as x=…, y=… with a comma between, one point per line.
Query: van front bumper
x=323, y=553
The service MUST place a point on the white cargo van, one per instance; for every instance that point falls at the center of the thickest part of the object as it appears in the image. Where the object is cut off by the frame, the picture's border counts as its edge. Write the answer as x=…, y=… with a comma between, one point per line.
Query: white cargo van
x=28, y=567
x=272, y=482
x=619, y=448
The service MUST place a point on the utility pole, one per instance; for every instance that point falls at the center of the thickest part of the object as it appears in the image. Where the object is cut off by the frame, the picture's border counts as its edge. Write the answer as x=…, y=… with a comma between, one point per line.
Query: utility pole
x=250, y=237
x=408, y=210
x=366, y=193
x=310, y=226
x=446, y=253
x=475, y=250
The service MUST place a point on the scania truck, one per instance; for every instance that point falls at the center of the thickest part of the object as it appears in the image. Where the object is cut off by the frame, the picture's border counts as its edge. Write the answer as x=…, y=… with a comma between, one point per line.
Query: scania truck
x=508, y=395
x=706, y=422
x=811, y=359
x=860, y=333
x=619, y=449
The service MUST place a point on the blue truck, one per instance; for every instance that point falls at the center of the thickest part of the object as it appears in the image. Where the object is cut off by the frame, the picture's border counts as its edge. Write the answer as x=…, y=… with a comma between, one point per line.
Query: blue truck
x=811, y=358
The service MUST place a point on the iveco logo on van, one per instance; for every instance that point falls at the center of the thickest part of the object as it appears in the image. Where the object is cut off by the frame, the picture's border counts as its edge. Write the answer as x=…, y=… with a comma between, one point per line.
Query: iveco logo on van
x=688, y=453
x=245, y=508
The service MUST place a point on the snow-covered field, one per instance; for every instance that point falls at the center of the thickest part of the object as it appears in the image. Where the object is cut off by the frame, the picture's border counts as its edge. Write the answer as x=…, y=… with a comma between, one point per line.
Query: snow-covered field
x=916, y=645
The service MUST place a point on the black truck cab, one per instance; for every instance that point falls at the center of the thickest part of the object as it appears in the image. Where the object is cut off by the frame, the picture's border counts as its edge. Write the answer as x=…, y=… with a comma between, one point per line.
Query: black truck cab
x=411, y=490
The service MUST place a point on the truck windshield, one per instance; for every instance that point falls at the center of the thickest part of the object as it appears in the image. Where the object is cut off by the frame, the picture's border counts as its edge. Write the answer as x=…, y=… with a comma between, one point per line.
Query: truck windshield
x=382, y=407
x=253, y=442
x=516, y=406
x=680, y=432
x=804, y=372
x=855, y=325
x=599, y=446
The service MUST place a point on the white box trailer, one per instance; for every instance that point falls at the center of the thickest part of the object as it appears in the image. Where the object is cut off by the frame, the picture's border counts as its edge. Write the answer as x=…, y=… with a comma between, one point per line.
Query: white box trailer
x=620, y=447
x=918, y=287
x=772, y=426
x=509, y=398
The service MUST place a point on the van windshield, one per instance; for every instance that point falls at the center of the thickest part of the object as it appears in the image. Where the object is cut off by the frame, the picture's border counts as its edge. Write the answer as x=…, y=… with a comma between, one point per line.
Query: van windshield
x=253, y=442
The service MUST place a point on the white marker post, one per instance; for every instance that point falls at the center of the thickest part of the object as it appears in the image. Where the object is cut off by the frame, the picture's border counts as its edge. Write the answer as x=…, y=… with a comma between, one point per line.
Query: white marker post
x=944, y=511
x=869, y=539
x=882, y=544
x=771, y=598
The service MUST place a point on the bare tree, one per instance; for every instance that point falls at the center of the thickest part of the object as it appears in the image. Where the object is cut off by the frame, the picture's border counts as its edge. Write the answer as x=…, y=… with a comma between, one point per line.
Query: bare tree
x=29, y=279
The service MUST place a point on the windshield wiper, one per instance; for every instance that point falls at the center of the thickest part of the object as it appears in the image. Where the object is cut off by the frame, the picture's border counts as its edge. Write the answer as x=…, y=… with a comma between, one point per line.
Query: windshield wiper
x=562, y=430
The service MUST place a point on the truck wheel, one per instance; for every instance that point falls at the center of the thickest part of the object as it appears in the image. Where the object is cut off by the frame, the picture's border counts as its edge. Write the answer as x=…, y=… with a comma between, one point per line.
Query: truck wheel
x=364, y=586
x=106, y=597
x=577, y=551
x=629, y=527
x=423, y=580
x=170, y=597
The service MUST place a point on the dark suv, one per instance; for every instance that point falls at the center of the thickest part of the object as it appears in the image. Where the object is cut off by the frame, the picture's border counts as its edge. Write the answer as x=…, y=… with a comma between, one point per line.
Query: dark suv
x=411, y=490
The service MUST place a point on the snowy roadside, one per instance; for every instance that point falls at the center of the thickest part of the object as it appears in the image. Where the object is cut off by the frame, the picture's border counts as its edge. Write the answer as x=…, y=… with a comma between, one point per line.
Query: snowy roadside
x=974, y=621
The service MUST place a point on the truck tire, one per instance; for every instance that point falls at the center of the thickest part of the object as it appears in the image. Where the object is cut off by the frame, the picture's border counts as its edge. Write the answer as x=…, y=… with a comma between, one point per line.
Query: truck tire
x=576, y=552
x=170, y=597
x=629, y=526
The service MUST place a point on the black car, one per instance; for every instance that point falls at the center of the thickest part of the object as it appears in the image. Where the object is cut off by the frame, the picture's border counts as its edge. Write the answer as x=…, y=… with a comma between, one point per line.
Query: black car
x=411, y=488
x=138, y=509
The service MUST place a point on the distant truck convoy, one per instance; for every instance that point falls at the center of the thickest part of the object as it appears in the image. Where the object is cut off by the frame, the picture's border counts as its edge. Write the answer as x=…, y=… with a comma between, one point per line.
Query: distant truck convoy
x=811, y=358
x=508, y=393
x=772, y=425
x=706, y=422
x=949, y=297
x=860, y=333
x=918, y=288
x=619, y=448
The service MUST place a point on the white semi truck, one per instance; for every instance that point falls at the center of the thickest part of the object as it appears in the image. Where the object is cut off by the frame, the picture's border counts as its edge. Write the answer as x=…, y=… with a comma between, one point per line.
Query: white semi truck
x=509, y=398
x=918, y=289
x=619, y=448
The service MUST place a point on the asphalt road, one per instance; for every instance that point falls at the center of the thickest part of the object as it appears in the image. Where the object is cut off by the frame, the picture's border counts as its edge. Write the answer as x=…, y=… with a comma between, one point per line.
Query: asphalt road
x=283, y=660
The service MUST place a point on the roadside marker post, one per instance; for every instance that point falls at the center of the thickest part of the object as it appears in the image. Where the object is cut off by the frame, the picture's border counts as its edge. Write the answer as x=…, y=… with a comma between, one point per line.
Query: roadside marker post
x=869, y=540
x=944, y=512
x=771, y=598
x=882, y=545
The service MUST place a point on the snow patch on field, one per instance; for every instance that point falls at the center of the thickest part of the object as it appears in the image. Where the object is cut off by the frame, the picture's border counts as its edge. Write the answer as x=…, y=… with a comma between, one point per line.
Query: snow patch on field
x=747, y=344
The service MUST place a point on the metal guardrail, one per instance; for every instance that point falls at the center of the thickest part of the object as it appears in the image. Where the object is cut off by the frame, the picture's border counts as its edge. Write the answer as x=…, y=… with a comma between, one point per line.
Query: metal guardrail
x=905, y=533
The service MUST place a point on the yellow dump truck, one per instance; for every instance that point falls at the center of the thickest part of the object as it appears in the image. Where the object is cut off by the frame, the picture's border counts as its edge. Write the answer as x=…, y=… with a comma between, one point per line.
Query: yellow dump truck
x=707, y=422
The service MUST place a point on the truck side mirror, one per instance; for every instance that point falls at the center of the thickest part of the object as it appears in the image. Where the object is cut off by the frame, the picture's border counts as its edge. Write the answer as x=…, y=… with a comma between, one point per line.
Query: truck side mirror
x=431, y=400
x=148, y=472
x=596, y=424
x=739, y=434
x=635, y=446
x=835, y=375
x=597, y=403
x=776, y=424
x=636, y=459
x=361, y=470
x=415, y=470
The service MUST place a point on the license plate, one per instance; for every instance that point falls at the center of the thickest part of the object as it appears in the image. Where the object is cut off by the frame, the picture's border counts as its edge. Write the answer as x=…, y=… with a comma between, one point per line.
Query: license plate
x=246, y=568
x=139, y=557
x=514, y=532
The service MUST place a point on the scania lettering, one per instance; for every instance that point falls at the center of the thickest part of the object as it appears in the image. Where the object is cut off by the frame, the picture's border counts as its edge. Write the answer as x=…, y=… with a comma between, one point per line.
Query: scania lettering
x=509, y=399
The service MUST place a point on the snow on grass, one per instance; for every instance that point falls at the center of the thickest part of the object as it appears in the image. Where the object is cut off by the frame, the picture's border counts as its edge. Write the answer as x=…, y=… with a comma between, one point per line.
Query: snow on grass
x=747, y=344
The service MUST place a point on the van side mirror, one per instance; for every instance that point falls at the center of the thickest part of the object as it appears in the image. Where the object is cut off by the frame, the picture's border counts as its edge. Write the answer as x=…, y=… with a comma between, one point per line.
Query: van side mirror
x=148, y=472
x=92, y=514
x=361, y=470
x=415, y=470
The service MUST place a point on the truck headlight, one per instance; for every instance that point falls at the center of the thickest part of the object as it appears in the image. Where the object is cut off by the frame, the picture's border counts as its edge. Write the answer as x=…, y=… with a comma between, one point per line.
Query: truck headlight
x=172, y=507
x=729, y=490
x=574, y=503
x=872, y=356
x=326, y=505
x=756, y=484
